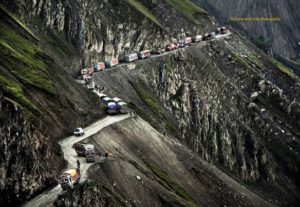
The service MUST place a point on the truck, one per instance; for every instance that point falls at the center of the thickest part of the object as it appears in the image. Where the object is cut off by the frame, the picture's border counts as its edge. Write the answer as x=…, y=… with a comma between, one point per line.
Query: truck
x=99, y=66
x=91, y=85
x=131, y=57
x=82, y=148
x=197, y=38
x=171, y=47
x=122, y=107
x=144, y=54
x=181, y=43
x=90, y=156
x=207, y=37
x=116, y=99
x=188, y=41
x=69, y=178
x=111, y=108
x=84, y=71
x=112, y=63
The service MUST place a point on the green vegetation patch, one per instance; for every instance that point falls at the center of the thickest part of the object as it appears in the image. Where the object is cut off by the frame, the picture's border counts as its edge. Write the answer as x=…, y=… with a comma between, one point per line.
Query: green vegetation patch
x=240, y=60
x=284, y=69
x=24, y=60
x=143, y=10
x=146, y=97
x=170, y=181
x=14, y=91
x=187, y=9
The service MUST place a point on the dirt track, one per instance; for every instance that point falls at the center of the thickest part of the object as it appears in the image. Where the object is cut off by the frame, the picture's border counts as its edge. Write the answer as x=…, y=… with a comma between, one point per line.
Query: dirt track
x=71, y=156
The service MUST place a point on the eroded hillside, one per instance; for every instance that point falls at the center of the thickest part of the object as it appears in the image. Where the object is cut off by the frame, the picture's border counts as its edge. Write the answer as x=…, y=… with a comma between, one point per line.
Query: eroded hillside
x=225, y=100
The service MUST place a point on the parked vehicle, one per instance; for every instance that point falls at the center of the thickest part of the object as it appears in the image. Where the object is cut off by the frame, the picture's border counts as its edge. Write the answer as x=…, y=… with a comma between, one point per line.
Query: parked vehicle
x=157, y=51
x=90, y=70
x=78, y=132
x=188, y=41
x=69, y=178
x=99, y=66
x=197, y=38
x=131, y=57
x=84, y=72
x=90, y=156
x=223, y=30
x=106, y=99
x=144, y=54
x=171, y=47
x=116, y=99
x=112, y=63
x=181, y=43
x=102, y=95
x=91, y=85
x=111, y=108
x=82, y=148
x=122, y=107
x=207, y=37
x=213, y=34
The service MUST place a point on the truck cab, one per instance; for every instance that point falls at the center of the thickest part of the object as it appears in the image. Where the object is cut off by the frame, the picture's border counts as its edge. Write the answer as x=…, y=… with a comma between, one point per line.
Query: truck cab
x=90, y=156
x=82, y=148
x=69, y=178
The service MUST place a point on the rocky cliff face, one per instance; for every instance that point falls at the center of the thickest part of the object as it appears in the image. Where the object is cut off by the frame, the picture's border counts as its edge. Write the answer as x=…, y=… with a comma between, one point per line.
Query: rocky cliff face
x=232, y=104
x=28, y=157
x=282, y=36
x=101, y=30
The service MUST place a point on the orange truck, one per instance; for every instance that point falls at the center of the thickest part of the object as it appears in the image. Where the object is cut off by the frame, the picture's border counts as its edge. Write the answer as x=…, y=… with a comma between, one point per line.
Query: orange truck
x=69, y=178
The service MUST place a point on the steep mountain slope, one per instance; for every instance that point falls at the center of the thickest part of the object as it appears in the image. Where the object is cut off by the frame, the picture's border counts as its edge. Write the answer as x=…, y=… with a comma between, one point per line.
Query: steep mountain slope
x=159, y=170
x=226, y=100
x=281, y=36
x=39, y=103
x=100, y=30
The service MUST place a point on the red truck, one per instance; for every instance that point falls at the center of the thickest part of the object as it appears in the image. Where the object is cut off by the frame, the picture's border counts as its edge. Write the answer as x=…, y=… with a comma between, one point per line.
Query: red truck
x=99, y=66
x=171, y=47
x=112, y=63
x=144, y=54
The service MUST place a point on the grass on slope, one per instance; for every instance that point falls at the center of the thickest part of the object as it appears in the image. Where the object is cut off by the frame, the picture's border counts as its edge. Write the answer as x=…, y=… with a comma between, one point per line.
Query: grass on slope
x=24, y=60
x=24, y=64
x=284, y=69
x=14, y=91
x=142, y=9
x=171, y=182
x=187, y=9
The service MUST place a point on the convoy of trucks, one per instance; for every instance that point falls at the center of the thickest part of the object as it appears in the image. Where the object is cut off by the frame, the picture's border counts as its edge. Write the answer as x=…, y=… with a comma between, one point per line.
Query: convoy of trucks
x=147, y=53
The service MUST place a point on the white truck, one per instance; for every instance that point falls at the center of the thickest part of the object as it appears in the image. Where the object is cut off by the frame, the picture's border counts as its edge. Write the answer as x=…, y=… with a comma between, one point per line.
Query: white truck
x=131, y=57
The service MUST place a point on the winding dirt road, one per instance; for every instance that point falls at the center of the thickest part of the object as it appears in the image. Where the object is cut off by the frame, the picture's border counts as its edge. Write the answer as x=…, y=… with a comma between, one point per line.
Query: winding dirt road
x=71, y=157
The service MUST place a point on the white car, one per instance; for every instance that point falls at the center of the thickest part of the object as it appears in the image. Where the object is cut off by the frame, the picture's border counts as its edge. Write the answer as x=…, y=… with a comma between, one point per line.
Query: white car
x=78, y=132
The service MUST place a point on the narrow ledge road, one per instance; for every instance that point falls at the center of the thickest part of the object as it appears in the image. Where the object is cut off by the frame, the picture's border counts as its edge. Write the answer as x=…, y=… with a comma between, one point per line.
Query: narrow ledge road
x=70, y=156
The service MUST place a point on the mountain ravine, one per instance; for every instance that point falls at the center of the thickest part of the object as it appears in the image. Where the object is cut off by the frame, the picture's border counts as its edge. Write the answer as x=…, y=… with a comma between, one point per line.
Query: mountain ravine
x=216, y=123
